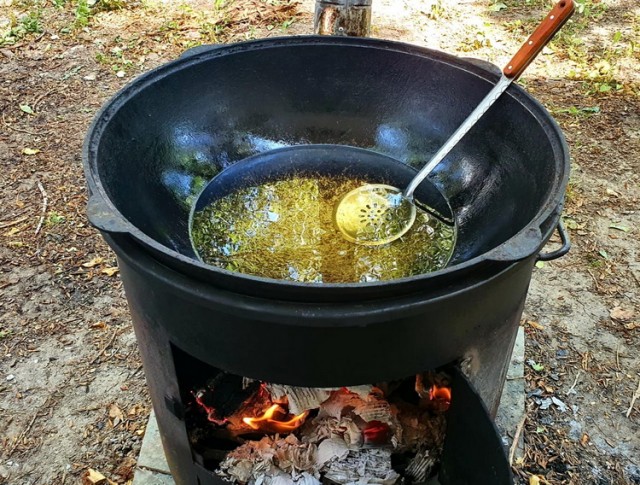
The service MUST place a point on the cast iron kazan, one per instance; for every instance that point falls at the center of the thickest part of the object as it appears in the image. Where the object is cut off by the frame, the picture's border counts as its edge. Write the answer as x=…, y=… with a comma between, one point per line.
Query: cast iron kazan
x=158, y=141
x=164, y=136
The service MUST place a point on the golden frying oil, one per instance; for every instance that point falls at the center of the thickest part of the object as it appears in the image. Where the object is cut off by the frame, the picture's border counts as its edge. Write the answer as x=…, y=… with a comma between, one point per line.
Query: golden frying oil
x=285, y=230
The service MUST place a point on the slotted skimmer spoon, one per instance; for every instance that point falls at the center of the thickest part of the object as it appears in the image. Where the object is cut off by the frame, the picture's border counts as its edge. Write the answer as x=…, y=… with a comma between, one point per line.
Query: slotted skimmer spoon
x=376, y=214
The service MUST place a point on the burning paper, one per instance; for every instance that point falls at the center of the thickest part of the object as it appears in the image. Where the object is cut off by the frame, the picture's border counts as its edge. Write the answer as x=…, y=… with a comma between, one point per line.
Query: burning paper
x=346, y=435
x=302, y=399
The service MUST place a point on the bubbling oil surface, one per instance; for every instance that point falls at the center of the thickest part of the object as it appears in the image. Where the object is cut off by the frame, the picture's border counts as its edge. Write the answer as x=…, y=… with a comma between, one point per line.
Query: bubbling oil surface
x=285, y=230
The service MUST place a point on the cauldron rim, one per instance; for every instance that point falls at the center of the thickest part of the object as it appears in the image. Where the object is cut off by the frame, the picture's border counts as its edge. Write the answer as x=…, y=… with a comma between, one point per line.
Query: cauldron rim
x=104, y=215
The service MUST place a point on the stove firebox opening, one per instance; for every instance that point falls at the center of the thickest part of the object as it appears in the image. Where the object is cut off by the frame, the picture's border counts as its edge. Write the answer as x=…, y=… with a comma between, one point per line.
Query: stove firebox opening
x=248, y=431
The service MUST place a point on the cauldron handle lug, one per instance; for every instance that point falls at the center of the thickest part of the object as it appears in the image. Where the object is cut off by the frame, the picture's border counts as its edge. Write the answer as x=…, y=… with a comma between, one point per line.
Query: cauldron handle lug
x=200, y=49
x=519, y=247
x=102, y=216
x=564, y=249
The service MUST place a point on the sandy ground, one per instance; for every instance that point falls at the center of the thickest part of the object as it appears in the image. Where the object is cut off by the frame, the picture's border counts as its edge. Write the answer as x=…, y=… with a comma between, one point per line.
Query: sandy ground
x=72, y=392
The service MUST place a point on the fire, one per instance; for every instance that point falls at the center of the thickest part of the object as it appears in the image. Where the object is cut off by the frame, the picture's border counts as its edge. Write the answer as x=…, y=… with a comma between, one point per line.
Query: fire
x=441, y=395
x=211, y=412
x=269, y=422
x=376, y=433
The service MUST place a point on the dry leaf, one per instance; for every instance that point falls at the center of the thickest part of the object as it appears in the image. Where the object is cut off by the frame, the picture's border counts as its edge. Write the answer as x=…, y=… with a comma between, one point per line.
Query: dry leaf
x=116, y=414
x=534, y=480
x=535, y=325
x=93, y=262
x=584, y=440
x=136, y=409
x=93, y=477
x=110, y=271
x=12, y=231
x=115, y=411
x=632, y=325
x=30, y=151
x=621, y=314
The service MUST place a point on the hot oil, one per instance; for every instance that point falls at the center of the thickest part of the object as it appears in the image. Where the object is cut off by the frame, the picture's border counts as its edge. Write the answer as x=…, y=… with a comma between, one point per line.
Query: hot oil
x=285, y=230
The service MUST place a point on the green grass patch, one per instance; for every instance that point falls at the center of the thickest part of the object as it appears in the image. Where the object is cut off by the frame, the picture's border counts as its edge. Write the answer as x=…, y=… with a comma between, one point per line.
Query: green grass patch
x=21, y=27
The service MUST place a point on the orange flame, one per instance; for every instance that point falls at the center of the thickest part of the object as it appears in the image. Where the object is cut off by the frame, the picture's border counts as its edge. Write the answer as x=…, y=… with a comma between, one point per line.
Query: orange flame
x=269, y=424
x=441, y=395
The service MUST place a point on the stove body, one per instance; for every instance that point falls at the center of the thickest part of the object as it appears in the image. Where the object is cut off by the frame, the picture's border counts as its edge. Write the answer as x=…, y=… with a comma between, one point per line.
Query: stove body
x=326, y=345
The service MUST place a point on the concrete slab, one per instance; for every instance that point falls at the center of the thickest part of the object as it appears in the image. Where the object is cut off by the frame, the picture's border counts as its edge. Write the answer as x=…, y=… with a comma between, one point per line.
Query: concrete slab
x=150, y=477
x=511, y=410
x=152, y=466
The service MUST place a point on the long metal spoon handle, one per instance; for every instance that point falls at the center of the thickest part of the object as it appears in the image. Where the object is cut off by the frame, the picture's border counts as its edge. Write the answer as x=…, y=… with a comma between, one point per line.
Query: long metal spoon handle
x=554, y=20
x=462, y=130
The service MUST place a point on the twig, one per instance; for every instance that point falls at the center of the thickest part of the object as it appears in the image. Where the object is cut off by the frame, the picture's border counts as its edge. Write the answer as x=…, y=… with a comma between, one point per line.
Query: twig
x=64, y=477
x=516, y=438
x=42, y=133
x=13, y=223
x=113, y=337
x=595, y=281
x=85, y=410
x=636, y=395
x=132, y=374
x=45, y=202
x=22, y=435
x=575, y=382
x=633, y=275
x=41, y=97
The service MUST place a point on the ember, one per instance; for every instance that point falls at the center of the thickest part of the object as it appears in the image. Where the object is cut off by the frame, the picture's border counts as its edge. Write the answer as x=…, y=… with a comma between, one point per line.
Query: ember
x=441, y=396
x=210, y=410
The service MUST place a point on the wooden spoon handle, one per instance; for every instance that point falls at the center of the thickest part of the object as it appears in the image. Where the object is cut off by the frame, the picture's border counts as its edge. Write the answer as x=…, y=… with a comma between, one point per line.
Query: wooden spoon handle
x=540, y=37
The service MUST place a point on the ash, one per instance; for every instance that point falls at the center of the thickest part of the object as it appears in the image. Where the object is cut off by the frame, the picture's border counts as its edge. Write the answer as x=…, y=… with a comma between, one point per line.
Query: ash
x=351, y=440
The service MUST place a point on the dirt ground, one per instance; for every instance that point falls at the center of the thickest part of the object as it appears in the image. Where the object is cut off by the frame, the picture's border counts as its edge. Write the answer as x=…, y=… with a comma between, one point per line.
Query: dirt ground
x=72, y=391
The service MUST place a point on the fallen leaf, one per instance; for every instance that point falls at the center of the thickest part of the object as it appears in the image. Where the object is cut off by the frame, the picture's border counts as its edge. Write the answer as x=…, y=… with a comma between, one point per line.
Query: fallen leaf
x=26, y=108
x=116, y=414
x=93, y=477
x=619, y=227
x=534, y=480
x=30, y=151
x=110, y=271
x=571, y=223
x=612, y=192
x=93, y=262
x=12, y=231
x=115, y=411
x=585, y=439
x=621, y=314
x=632, y=325
x=136, y=409
x=535, y=366
x=535, y=325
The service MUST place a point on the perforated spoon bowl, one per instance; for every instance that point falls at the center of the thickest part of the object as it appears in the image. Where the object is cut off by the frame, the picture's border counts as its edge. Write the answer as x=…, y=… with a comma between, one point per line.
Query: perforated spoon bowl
x=375, y=214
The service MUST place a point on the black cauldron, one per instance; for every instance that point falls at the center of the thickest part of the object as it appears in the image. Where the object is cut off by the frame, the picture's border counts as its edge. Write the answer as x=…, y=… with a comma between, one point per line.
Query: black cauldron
x=163, y=137
x=158, y=142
